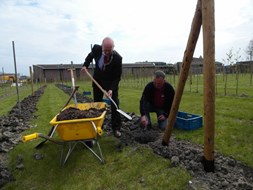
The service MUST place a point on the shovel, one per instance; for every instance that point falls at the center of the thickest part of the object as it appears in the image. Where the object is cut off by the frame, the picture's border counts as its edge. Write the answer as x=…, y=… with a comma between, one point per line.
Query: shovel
x=105, y=93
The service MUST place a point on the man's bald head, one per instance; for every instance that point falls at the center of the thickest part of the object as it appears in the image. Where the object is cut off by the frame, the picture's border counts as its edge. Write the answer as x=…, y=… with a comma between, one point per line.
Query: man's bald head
x=107, y=45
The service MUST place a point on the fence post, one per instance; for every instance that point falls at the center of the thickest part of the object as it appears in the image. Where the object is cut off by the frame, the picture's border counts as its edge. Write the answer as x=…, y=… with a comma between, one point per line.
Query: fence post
x=16, y=76
x=31, y=78
x=209, y=83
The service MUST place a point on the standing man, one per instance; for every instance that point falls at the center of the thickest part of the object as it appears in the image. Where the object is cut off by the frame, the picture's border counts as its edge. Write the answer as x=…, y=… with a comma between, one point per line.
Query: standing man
x=107, y=73
x=157, y=97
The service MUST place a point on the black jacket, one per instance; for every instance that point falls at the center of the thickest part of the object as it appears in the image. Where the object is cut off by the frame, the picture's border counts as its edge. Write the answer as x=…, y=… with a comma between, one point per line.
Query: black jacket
x=110, y=76
x=148, y=97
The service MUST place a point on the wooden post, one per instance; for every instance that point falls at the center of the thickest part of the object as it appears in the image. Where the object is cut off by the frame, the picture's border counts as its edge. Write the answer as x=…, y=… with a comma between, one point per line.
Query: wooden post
x=188, y=56
x=190, y=81
x=237, y=79
x=73, y=82
x=197, y=83
x=16, y=76
x=209, y=83
x=31, y=78
x=216, y=84
x=251, y=71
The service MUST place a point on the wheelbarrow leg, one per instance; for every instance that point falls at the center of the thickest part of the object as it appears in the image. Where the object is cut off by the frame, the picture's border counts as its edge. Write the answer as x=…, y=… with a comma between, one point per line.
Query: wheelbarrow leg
x=100, y=156
x=70, y=149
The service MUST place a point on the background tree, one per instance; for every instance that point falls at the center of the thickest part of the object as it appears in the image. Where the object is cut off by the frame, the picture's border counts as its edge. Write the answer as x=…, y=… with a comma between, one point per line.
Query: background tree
x=249, y=52
x=237, y=57
x=231, y=60
x=227, y=61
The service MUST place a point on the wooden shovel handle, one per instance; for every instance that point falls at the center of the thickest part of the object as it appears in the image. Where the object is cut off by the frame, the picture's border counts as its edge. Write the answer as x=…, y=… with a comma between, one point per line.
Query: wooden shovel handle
x=71, y=95
x=98, y=85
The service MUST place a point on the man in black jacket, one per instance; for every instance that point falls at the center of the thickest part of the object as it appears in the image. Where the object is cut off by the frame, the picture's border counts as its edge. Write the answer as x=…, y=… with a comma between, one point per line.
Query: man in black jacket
x=157, y=97
x=108, y=74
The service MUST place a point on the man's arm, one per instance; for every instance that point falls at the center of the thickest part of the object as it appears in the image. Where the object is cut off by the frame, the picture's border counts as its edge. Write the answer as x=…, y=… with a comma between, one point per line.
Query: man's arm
x=144, y=99
x=88, y=60
x=91, y=55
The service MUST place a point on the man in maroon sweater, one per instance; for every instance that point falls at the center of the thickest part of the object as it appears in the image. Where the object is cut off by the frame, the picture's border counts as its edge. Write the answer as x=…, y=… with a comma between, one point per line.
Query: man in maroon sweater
x=157, y=97
x=107, y=73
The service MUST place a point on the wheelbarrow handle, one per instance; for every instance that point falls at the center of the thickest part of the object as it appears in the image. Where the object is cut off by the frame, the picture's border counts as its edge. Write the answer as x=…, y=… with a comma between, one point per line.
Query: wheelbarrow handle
x=37, y=135
x=30, y=137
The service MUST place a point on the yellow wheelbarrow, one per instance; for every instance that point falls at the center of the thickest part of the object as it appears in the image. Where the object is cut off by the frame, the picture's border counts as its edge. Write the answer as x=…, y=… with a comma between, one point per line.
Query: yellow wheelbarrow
x=72, y=132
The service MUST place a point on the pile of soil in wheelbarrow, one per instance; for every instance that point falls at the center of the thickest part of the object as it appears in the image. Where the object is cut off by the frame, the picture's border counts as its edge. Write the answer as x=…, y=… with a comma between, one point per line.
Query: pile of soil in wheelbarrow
x=75, y=113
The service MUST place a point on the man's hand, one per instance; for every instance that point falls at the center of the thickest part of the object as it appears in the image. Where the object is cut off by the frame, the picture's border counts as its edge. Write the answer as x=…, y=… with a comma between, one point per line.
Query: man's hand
x=109, y=93
x=144, y=121
x=161, y=117
x=83, y=69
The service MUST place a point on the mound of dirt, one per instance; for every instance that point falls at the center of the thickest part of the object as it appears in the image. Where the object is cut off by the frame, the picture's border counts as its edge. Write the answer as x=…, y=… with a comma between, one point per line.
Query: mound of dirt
x=75, y=113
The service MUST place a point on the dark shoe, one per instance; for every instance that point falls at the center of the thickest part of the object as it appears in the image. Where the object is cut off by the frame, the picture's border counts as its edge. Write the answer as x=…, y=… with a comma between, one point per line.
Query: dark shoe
x=117, y=133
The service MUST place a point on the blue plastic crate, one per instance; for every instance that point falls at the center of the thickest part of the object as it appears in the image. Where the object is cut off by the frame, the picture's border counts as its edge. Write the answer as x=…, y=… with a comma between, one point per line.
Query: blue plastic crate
x=188, y=121
x=86, y=93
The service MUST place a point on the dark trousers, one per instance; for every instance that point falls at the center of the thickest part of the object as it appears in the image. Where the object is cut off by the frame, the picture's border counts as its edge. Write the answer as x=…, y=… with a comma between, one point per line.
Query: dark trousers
x=115, y=116
x=150, y=108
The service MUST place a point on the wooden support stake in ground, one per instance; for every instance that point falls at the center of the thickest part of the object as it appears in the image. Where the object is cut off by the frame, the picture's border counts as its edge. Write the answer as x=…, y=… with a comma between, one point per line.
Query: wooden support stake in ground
x=16, y=77
x=209, y=83
x=188, y=56
x=73, y=82
x=31, y=79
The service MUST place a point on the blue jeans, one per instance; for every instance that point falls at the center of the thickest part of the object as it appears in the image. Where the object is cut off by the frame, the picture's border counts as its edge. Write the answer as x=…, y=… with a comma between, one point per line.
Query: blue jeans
x=149, y=109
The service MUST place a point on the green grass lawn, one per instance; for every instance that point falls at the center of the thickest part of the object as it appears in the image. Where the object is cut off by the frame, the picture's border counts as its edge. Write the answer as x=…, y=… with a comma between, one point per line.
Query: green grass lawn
x=134, y=167
x=9, y=98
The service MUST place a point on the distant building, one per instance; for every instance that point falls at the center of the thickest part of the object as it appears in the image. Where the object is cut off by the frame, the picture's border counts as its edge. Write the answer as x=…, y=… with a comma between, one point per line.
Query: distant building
x=55, y=72
x=156, y=63
x=197, y=66
x=244, y=66
x=60, y=72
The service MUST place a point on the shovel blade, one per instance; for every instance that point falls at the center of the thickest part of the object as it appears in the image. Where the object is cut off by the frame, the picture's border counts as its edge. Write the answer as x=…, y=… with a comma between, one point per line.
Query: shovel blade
x=124, y=114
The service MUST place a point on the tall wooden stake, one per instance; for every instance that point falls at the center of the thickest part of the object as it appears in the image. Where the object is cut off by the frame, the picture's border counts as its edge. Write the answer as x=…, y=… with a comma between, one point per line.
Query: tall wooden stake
x=188, y=56
x=209, y=83
x=16, y=76
x=73, y=82
x=31, y=78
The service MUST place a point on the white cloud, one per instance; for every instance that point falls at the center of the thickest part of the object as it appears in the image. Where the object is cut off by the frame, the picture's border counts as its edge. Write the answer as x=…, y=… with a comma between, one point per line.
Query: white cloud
x=57, y=31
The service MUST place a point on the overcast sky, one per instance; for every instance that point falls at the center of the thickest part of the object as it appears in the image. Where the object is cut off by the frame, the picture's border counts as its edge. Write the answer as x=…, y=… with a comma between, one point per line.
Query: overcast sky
x=61, y=31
